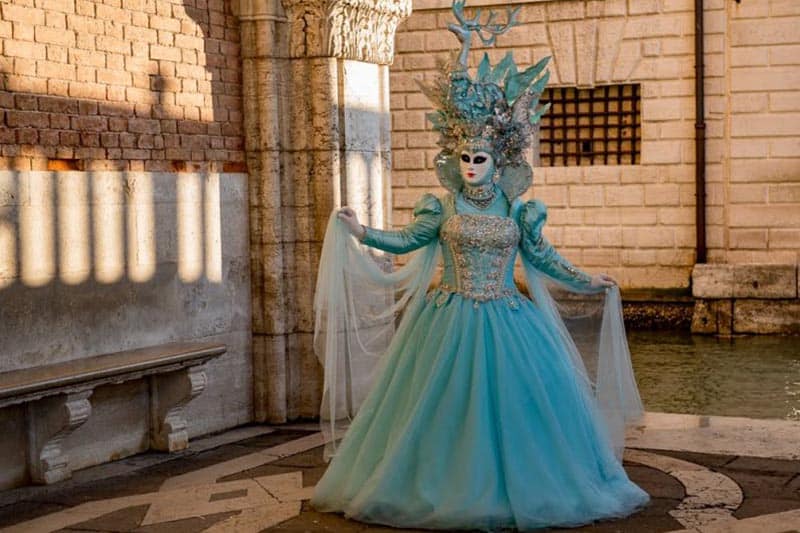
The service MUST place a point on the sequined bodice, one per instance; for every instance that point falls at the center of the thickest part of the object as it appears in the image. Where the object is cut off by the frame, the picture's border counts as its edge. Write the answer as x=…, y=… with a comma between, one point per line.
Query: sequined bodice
x=479, y=252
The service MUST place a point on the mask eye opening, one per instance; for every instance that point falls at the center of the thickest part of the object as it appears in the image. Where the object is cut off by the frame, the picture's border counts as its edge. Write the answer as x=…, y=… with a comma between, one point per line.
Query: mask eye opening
x=465, y=158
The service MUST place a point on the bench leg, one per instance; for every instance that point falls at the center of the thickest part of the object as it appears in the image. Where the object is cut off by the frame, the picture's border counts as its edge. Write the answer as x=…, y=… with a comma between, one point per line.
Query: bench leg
x=50, y=421
x=169, y=393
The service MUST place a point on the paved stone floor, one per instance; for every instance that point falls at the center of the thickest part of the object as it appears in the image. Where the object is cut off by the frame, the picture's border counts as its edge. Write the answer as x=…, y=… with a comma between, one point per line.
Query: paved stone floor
x=705, y=474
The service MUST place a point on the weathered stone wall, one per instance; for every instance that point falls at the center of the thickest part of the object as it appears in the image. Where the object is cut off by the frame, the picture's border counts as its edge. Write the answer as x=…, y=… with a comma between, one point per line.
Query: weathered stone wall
x=136, y=237
x=126, y=85
x=288, y=160
x=637, y=221
x=762, y=168
x=751, y=285
x=746, y=299
x=98, y=262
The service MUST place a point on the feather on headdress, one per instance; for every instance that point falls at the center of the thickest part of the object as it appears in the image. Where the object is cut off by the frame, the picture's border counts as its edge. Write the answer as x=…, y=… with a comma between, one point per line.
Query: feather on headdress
x=500, y=105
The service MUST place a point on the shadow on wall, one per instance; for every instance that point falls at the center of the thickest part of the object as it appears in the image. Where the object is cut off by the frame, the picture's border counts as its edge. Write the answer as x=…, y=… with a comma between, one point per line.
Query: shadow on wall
x=63, y=224
x=78, y=227
x=94, y=262
x=158, y=108
x=97, y=256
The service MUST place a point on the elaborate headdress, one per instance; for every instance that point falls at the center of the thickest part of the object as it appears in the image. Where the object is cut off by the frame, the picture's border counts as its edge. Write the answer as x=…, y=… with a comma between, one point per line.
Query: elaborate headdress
x=496, y=110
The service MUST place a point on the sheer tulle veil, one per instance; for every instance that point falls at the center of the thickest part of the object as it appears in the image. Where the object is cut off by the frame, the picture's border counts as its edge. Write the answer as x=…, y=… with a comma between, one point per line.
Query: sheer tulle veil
x=359, y=308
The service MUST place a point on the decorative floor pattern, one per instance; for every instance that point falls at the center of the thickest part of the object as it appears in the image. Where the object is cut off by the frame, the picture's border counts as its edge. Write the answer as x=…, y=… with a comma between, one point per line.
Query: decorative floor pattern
x=711, y=497
x=721, y=474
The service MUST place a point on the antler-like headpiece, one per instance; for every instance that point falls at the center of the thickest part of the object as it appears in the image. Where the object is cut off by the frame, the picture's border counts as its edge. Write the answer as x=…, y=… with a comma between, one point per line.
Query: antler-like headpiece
x=500, y=105
x=465, y=28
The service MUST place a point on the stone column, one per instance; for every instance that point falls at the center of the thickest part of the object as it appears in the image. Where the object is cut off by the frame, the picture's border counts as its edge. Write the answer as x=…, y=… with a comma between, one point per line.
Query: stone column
x=317, y=122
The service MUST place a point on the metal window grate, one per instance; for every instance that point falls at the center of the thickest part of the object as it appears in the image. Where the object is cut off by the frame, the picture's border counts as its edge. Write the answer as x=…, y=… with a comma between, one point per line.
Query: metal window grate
x=599, y=126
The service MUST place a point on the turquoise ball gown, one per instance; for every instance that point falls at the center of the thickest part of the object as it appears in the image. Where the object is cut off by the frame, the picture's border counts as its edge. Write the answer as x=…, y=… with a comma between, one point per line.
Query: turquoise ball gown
x=477, y=418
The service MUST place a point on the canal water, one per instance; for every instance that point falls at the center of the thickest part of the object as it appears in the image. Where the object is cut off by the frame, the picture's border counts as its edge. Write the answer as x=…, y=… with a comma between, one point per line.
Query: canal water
x=756, y=376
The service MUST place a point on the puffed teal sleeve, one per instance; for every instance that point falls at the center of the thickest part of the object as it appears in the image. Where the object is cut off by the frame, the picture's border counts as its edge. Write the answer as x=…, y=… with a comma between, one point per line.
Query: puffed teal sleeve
x=422, y=230
x=536, y=248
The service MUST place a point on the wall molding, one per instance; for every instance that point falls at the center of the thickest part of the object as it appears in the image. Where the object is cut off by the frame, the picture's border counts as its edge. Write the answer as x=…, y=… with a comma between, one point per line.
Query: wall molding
x=428, y=5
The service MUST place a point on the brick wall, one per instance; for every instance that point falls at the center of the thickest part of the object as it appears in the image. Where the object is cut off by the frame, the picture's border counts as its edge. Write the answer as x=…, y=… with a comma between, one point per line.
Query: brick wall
x=635, y=222
x=120, y=84
x=763, y=170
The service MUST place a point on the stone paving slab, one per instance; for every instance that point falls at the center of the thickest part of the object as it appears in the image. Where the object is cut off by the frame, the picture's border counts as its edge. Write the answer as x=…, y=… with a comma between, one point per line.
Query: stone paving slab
x=262, y=482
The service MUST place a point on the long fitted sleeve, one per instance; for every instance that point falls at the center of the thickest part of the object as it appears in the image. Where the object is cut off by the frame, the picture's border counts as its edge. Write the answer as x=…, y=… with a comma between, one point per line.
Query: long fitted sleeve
x=535, y=248
x=422, y=230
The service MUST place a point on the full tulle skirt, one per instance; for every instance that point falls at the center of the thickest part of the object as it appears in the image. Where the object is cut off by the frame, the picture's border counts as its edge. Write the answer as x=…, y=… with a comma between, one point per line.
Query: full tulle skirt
x=477, y=420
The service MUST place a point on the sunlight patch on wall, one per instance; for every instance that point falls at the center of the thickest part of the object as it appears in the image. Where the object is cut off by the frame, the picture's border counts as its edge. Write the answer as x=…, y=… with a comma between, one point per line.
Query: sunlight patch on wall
x=8, y=229
x=36, y=230
x=213, y=229
x=109, y=243
x=377, y=180
x=141, y=228
x=8, y=251
x=190, y=227
x=73, y=227
x=357, y=196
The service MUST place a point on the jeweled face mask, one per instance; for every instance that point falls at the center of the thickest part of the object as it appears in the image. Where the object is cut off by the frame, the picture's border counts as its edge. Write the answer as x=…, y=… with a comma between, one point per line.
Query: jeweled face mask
x=477, y=168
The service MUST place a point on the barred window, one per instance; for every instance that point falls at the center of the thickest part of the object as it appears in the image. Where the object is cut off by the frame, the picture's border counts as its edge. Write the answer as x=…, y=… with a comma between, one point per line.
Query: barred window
x=598, y=126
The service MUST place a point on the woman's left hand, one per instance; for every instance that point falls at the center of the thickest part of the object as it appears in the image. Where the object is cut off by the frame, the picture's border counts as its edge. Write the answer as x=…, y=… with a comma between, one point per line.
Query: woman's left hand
x=602, y=281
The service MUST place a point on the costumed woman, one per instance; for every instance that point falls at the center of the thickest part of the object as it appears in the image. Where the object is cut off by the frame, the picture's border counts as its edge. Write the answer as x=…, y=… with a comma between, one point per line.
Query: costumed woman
x=475, y=410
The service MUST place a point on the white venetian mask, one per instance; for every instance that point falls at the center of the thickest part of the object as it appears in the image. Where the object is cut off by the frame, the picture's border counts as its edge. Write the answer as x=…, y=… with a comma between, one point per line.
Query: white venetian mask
x=477, y=168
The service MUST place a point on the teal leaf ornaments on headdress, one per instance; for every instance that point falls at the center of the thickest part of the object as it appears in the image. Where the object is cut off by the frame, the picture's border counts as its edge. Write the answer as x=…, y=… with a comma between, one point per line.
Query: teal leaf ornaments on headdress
x=498, y=107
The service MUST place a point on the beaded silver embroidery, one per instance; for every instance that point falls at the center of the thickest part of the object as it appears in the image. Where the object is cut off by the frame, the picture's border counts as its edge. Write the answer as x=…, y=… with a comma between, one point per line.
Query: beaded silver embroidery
x=482, y=247
x=441, y=296
x=568, y=272
x=481, y=196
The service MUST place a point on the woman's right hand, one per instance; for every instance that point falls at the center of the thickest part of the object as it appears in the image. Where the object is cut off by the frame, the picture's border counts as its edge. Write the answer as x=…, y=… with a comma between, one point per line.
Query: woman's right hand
x=350, y=219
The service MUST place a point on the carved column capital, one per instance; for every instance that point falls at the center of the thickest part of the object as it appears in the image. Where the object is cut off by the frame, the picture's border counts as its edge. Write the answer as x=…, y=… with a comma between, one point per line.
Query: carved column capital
x=362, y=30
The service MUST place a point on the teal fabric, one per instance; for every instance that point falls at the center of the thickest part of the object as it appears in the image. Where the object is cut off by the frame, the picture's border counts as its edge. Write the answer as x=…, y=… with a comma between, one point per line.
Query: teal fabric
x=422, y=230
x=453, y=204
x=536, y=249
x=477, y=419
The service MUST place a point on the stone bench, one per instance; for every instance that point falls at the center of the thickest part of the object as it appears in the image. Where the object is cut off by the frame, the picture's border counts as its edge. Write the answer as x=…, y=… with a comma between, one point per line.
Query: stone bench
x=57, y=397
